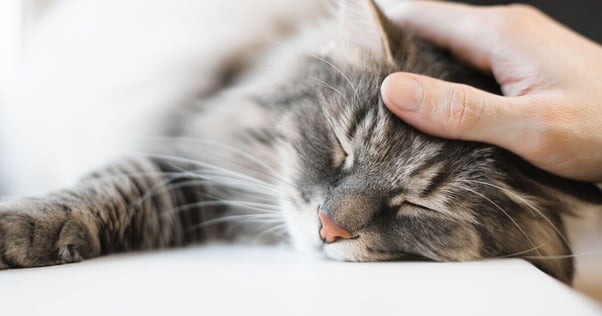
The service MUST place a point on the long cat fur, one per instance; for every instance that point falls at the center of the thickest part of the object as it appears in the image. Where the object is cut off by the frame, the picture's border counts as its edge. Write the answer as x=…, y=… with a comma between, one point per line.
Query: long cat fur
x=289, y=127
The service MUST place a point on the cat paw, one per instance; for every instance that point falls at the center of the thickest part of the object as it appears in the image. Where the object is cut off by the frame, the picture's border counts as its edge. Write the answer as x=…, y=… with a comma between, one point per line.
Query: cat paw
x=34, y=234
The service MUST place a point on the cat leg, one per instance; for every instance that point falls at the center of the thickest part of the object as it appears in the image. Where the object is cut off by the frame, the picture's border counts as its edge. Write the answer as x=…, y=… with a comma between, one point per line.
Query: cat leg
x=132, y=205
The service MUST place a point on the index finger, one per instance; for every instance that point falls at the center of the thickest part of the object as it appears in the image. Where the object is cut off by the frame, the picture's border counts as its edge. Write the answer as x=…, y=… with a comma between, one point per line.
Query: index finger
x=461, y=28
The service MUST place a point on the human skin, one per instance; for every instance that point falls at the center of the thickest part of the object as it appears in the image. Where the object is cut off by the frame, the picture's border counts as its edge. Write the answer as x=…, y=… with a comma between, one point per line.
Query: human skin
x=551, y=78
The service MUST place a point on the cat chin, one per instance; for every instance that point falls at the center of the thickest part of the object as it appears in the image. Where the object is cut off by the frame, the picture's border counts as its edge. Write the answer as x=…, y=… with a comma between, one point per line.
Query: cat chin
x=346, y=250
x=303, y=228
x=303, y=243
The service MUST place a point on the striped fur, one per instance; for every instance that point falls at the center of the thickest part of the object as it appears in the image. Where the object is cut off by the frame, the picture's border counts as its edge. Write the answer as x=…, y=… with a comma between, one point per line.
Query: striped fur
x=258, y=159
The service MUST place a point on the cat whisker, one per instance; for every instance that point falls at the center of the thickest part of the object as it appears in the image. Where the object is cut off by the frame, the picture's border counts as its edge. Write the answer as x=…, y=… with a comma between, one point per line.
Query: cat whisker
x=240, y=204
x=327, y=85
x=204, y=181
x=209, y=166
x=238, y=183
x=513, y=195
x=212, y=182
x=271, y=230
x=125, y=175
x=273, y=174
x=337, y=69
x=250, y=181
x=557, y=257
x=195, y=174
x=503, y=211
x=518, y=253
x=246, y=218
x=266, y=208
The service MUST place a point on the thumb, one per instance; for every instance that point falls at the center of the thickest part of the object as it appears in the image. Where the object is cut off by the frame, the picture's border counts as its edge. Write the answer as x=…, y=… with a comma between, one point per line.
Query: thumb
x=452, y=110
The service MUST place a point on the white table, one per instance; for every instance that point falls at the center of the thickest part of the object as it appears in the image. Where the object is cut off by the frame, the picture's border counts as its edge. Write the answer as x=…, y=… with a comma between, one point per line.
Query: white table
x=231, y=280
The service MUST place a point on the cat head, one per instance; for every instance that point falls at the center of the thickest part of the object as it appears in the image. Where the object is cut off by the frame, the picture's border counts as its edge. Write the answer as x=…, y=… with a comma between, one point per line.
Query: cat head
x=361, y=185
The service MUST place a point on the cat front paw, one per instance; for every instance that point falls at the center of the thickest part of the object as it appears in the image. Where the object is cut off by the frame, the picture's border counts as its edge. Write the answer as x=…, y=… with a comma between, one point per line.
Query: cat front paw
x=34, y=233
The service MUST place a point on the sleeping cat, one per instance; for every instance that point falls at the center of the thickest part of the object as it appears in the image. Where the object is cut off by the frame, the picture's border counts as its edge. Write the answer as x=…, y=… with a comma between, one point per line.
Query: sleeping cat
x=297, y=147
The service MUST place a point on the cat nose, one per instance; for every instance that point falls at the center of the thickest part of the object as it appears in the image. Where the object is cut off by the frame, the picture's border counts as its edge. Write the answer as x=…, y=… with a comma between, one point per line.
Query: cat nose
x=330, y=232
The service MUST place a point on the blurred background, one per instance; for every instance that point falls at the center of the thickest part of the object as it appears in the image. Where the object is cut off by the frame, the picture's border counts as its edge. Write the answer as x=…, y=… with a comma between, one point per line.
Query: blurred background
x=18, y=18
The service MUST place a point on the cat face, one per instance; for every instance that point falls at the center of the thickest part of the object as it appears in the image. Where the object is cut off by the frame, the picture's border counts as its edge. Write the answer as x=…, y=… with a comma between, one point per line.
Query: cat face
x=395, y=192
x=401, y=193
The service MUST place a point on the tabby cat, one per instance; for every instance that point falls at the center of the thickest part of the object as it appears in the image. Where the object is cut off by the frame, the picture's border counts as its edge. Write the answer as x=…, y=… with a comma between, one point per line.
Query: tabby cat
x=298, y=148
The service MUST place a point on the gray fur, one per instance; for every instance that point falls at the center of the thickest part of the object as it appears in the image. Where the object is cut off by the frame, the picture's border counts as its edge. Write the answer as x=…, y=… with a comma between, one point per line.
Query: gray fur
x=274, y=147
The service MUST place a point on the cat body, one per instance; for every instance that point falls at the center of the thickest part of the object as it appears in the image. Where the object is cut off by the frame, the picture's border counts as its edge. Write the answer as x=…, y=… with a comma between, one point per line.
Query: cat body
x=293, y=138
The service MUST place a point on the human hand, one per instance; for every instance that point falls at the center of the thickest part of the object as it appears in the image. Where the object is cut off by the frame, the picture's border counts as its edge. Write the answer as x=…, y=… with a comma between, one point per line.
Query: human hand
x=551, y=78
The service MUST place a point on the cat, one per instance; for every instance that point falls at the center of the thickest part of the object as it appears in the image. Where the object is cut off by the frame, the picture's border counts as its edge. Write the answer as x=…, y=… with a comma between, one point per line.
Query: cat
x=297, y=147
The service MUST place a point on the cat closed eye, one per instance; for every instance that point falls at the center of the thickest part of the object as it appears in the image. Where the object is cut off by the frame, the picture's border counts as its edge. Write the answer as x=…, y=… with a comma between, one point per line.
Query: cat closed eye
x=412, y=209
x=343, y=157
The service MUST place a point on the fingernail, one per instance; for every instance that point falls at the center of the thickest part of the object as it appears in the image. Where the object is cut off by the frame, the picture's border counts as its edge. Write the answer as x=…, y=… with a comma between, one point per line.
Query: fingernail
x=402, y=91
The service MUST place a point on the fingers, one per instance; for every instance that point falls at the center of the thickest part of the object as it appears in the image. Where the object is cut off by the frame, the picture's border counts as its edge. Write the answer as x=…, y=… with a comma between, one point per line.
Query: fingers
x=472, y=33
x=455, y=111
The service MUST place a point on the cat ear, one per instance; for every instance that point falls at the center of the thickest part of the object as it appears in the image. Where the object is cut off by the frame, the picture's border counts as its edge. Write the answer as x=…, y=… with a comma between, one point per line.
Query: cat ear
x=365, y=30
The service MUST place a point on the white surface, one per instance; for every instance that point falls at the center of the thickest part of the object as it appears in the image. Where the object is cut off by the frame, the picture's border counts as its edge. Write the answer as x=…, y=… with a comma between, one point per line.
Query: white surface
x=227, y=280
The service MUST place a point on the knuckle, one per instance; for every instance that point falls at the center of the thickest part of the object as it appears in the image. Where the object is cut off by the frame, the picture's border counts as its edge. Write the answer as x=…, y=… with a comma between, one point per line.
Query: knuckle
x=522, y=9
x=550, y=133
x=511, y=19
x=515, y=13
x=462, y=114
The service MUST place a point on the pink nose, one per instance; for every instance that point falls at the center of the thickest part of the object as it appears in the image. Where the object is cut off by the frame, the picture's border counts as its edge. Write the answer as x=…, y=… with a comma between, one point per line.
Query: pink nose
x=330, y=232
